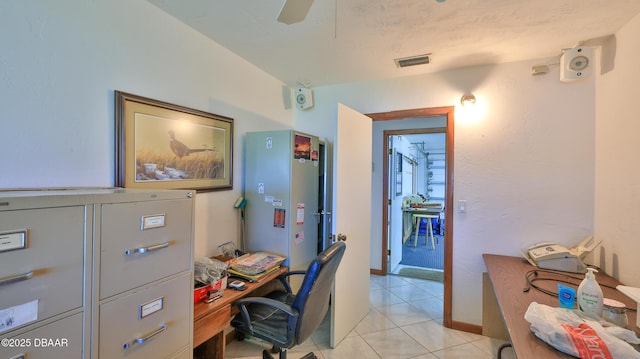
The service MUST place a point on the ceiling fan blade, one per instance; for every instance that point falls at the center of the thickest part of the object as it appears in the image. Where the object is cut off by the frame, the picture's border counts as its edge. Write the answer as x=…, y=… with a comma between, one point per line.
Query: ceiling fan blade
x=294, y=11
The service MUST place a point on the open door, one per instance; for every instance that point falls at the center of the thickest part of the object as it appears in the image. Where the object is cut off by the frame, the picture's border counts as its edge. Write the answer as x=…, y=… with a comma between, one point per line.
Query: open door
x=324, y=198
x=351, y=220
x=394, y=214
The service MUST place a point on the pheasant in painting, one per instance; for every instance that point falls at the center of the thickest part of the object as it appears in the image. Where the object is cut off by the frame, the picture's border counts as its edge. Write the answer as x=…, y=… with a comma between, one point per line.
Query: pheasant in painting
x=180, y=149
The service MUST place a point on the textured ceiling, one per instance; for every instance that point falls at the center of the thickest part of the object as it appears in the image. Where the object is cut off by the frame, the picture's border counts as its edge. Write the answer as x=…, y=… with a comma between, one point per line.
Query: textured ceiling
x=343, y=41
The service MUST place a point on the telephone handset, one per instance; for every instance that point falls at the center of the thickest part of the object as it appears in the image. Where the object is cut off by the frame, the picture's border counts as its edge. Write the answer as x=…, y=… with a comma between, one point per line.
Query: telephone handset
x=557, y=257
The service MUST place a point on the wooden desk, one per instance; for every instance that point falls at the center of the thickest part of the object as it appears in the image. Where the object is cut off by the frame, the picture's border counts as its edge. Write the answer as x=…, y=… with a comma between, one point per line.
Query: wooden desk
x=507, y=276
x=210, y=320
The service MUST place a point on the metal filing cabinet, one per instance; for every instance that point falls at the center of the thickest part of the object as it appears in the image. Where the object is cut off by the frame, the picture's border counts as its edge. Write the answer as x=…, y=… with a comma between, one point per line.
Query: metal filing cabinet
x=70, y=289
x=42, y=289
x=145, y=261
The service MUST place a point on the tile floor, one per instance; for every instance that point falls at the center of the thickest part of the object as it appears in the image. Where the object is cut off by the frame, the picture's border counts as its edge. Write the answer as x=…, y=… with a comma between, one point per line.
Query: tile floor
x=404, y=321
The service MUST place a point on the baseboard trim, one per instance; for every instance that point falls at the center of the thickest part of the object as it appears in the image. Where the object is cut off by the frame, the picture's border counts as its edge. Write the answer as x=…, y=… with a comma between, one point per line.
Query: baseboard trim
x=376, y=271
x=466, y=327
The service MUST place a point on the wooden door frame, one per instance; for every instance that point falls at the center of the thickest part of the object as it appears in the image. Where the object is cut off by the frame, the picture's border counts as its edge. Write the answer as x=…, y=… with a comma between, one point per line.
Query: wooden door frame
x=448, y=112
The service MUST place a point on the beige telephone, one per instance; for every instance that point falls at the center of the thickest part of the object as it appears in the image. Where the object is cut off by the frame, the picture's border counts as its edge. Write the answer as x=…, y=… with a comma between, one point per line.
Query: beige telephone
x=557, y=257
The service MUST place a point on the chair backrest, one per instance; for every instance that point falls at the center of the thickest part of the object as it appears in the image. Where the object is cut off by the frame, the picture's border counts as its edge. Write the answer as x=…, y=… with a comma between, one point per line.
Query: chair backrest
x=312, y=299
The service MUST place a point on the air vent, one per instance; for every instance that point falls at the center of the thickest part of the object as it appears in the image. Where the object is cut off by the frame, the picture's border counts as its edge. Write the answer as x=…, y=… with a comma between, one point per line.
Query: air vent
x=413, y=60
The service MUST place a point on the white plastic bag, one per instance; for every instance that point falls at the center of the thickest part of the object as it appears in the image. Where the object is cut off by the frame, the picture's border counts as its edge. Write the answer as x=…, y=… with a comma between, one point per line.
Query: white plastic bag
x=208, y=271
x=580, y=336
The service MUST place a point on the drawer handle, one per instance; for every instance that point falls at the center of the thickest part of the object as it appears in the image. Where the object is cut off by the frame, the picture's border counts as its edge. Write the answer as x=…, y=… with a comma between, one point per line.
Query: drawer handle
x=19, y=356
x=16, y=278
x=144, y=339
x=141, y=250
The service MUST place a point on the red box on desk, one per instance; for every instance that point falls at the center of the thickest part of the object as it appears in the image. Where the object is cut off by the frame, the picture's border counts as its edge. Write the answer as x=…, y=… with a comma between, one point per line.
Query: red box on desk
x=200, y=293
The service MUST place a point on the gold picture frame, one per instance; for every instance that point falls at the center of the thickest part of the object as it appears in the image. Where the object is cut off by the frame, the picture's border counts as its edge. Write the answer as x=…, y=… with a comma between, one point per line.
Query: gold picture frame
x=165, y=146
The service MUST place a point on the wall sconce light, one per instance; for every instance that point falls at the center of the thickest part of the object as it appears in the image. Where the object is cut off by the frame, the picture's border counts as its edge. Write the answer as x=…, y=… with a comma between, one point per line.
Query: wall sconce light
x=468, y=100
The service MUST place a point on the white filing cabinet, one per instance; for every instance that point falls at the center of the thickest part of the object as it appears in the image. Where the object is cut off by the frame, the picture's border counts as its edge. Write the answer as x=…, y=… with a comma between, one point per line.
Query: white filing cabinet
x=96, y=273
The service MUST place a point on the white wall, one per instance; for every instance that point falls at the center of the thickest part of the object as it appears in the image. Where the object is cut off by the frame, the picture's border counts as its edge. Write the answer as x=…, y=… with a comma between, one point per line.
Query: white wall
x=525, y=164
x=617, y=219
x=526, y=167
x=59, y=65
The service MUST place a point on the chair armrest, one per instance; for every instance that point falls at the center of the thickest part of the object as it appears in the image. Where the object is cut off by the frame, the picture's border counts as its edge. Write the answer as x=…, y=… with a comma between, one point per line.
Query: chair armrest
x=268, y=302
x=283, y=278
x=294, y=272
x=242, y=306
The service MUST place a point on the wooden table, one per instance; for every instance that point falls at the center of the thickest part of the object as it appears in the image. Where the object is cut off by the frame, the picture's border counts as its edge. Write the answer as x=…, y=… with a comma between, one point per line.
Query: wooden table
x=507, y=276
x=210, y=320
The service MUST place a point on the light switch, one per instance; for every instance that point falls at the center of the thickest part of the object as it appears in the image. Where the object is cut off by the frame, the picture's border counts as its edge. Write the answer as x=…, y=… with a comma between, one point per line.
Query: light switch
x=462, y=206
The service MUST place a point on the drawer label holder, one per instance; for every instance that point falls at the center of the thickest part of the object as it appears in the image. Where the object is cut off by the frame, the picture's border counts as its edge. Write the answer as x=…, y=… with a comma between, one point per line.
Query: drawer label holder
x=13, y=240
x=152, y=221
x=151, y=307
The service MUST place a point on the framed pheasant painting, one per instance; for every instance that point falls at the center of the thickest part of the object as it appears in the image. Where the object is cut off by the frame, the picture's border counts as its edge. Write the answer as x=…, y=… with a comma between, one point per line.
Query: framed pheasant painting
x=165, y=146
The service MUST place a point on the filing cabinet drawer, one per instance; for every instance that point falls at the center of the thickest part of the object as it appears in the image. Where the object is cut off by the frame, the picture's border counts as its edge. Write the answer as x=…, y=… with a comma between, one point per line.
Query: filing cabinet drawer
x=41, y=257
x=61, y=339
x=142, y=242
x=151, y=323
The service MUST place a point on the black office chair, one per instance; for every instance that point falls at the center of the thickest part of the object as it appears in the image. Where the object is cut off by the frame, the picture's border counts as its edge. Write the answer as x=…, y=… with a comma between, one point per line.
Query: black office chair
x=285, y=319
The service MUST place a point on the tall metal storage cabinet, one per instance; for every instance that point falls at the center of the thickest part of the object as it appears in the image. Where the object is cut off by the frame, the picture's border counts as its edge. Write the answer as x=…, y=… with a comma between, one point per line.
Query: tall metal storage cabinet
x=281, y=188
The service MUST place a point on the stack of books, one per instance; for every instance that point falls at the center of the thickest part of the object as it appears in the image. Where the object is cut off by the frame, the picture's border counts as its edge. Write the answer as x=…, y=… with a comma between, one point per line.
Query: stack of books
x=255, y=266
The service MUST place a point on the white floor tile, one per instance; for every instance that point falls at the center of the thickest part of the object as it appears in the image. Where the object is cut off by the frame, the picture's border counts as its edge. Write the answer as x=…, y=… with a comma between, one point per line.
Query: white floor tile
x=404, y=322
x=463, y=351
x=351, y=348
x=389, y=281
x=382, y=297
x=432, y=287
x=432, y=308
x=434, y=336
x=374, y=321
x=394, y=344
x=491, y=346
x=411, y=292
x=404, y=314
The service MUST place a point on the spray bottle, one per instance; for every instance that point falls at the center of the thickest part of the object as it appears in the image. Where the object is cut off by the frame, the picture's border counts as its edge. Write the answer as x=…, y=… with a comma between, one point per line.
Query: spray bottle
x=590, y=295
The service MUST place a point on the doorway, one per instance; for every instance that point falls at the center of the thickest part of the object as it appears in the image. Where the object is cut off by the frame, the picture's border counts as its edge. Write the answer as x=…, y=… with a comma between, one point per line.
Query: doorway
x=447, y=115
x=417, y=178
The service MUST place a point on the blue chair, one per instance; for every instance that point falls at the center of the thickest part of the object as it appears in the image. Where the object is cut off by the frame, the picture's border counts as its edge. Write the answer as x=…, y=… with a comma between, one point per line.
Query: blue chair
x=285, y=319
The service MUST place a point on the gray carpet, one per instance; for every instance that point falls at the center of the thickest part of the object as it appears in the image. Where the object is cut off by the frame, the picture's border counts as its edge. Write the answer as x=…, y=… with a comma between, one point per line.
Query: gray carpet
x=422, y=255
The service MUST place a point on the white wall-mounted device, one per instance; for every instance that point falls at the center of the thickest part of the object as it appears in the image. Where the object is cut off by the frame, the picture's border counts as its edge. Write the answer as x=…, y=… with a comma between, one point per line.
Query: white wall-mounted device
x=304, y=98
x=576, y=63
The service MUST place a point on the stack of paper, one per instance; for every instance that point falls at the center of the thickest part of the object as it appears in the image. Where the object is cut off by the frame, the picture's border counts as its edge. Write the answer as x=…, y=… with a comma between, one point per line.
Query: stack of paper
x=255, y=266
